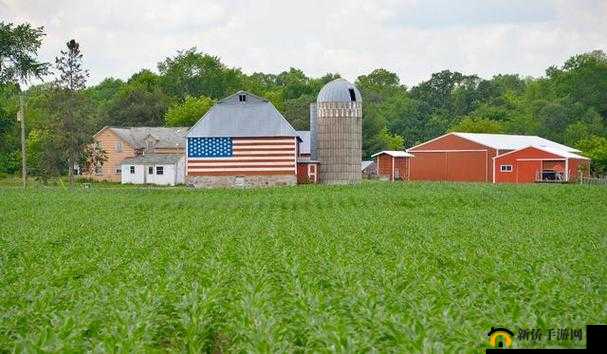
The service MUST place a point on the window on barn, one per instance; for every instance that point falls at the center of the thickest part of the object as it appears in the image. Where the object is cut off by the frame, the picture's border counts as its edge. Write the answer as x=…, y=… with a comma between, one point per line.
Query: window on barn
x=132, y=170
x=242, y=98
x=118, y=169
x=150, y=170
x=352, y=95
x=118, y=146
x=159, y=170
x=506, y=168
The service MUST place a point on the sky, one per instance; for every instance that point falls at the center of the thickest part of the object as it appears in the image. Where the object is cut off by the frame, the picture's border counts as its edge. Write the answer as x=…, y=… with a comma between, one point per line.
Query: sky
x=413, y=38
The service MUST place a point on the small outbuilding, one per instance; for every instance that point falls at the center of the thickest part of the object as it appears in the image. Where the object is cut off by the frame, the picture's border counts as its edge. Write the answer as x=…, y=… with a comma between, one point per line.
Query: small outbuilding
x=539, y=164
x=395, y=165
x=160, y=169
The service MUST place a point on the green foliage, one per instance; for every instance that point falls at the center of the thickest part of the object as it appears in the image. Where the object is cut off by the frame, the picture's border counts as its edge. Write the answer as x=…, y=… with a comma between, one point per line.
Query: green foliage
x=595, y=147
x=478, y=125
x=373, y=268
x=192, y=73
x=297, y=111
x=18, y=50
x=139, y=102
x=187, y=113
x=391, y=141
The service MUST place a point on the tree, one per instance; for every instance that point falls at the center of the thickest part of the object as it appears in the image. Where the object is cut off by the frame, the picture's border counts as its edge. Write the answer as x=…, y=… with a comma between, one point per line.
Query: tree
x=192, y=73
x=187, y=113
x=18, y=51
x=595, y=147
x=478, y=125
x=71, y=132
x=134, y=105
x=297, y=111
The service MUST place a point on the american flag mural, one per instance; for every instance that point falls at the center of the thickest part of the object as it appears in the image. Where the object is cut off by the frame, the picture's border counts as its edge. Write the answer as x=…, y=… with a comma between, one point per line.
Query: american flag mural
x=227, y=156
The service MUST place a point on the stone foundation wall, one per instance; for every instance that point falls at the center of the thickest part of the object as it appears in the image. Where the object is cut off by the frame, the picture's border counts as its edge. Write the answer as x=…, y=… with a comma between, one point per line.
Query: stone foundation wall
x=240, y=181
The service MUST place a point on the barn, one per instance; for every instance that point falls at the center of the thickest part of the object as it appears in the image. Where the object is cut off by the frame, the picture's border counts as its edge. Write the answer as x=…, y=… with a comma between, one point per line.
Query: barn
x=393, y=165
x=469, y=157
x=242, y=141
x=539, y=164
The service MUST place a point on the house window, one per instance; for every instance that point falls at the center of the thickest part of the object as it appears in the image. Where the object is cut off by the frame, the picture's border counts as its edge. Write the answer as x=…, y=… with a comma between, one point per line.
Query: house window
x=506, y=168
x=151, y=170
x=242, y=98
x=118, y=146
x=132, y=170
x=159, y=170
x=352, y=95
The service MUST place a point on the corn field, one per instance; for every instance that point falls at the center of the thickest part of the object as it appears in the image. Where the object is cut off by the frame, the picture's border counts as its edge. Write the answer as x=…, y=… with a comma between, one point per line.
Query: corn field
x=380, y=267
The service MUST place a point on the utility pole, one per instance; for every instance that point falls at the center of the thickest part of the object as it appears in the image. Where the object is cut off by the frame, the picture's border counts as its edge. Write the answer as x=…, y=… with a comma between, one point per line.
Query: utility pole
x=21, y=117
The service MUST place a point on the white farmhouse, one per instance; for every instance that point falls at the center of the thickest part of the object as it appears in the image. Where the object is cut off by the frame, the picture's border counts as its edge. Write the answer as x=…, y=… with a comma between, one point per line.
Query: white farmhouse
x=160, y=169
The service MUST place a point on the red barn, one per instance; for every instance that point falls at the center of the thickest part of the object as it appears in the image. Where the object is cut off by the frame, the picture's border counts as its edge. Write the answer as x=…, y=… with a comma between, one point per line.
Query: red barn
x=393, y=164
x=469, y=157
x=537, y=164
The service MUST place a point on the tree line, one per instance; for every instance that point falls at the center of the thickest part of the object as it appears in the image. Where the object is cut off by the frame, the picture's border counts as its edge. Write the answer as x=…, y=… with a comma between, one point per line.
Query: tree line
x=568, y=104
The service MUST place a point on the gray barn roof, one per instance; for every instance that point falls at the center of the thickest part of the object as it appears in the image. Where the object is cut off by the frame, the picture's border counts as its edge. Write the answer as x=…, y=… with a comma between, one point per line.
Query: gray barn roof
x=256, y=117
x=149, y=159
x=164, y=137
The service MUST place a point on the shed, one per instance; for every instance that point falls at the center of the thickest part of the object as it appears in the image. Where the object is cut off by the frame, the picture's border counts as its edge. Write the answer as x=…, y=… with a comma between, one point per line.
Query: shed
x=468, y=157
x=395, y=165
x=539, y=164
x=160, y=169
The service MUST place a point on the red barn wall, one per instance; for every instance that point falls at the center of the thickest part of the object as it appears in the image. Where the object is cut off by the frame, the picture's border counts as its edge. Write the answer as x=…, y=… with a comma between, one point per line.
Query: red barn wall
x=384, y=166
x=527, y=163
x=452, y=158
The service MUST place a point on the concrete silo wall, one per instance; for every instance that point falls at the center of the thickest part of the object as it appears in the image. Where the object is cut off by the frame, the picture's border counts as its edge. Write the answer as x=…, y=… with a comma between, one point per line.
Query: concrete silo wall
x=339, y=141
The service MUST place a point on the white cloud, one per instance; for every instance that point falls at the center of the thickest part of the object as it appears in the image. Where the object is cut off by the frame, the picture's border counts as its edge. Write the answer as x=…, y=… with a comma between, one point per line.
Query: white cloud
x=413, y=38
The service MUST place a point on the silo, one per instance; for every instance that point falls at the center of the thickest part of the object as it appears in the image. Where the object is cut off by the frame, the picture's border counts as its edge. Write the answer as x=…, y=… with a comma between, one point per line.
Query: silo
x=338, y=132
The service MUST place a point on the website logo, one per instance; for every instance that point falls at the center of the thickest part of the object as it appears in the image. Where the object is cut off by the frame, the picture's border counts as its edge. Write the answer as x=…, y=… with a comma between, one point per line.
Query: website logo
x=500, y=338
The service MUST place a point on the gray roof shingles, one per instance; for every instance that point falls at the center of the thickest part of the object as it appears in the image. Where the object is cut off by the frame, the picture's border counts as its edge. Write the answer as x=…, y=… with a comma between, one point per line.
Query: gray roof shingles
x=256, y=117
x=165, y=137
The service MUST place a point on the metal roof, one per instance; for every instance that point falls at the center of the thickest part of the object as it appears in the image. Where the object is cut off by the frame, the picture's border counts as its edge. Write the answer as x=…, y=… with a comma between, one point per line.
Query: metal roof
x=229, y=117
x=397, y=153
x=163, y=137
x=156, y=159
x=338, y=90
x=513, y=142
x=304, y=147
x=551, y=150
x=365, y=164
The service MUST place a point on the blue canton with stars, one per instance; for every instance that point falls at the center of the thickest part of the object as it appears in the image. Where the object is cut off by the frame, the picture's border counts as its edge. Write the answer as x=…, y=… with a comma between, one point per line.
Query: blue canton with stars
x=209, y=147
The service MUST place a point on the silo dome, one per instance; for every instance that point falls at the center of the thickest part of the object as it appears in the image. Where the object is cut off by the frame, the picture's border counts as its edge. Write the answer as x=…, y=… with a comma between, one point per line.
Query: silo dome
x=339, y=90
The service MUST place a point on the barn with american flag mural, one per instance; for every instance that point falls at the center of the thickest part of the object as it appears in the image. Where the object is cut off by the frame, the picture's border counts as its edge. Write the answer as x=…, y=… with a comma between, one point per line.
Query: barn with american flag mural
x=242, y=141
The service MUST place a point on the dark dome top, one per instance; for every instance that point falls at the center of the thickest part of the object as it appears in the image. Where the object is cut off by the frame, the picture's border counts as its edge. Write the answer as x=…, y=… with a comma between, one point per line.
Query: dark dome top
x=339, y=90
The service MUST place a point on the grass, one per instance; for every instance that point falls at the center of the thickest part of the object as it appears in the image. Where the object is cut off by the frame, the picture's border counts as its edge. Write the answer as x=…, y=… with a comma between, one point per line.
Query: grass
x=418, y=267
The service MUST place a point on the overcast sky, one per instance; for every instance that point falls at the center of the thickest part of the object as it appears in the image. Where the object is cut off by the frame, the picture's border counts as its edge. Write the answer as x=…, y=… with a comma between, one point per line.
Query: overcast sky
x=413, y=38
